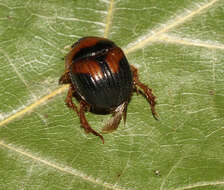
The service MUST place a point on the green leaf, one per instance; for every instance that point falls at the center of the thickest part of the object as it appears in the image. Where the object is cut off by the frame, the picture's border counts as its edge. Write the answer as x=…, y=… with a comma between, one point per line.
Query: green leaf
x=178, y=48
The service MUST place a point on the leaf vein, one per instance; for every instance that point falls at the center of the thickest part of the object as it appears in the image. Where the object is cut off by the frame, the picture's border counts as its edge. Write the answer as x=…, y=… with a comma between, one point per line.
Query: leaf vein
x=200, y=184
x=109, y=18
x=34, y=105
x=180, y=19
x=65, y=169
x=189, y=42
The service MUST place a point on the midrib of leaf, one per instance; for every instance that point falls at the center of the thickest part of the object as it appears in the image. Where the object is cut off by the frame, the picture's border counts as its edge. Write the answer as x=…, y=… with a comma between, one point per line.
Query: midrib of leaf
x=158, y=35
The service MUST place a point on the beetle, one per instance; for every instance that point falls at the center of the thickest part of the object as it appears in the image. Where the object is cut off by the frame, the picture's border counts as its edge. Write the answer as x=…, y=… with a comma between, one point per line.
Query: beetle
x=102, y=81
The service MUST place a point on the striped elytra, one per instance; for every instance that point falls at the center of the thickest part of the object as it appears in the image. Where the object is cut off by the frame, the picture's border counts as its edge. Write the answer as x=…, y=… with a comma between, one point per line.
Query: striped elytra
x=102, y=81
x=100, y=72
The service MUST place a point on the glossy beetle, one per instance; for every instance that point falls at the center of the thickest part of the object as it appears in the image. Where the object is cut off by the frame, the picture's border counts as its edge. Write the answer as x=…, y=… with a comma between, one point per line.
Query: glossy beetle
x=102, y=81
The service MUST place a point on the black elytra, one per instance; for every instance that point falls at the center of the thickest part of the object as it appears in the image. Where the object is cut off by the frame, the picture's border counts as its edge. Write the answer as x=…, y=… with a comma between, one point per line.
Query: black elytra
x=102, y=81
x=101, y=73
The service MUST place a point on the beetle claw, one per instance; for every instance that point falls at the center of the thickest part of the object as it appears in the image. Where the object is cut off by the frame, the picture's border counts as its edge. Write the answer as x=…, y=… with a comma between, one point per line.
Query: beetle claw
x=88, y=129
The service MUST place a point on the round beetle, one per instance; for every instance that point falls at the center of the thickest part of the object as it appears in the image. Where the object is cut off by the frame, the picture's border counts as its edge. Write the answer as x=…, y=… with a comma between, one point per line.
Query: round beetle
x=102, y=81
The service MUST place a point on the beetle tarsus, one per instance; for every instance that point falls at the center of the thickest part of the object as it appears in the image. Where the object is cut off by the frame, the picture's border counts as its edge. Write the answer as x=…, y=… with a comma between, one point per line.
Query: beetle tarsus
x=114, y=121
x=69, y=101
x=84, y=122
x=125, y=112
x=147, y=92
x=81, y=113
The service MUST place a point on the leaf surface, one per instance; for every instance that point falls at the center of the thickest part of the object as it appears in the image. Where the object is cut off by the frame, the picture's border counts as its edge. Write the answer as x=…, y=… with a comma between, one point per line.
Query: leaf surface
x=177, y=47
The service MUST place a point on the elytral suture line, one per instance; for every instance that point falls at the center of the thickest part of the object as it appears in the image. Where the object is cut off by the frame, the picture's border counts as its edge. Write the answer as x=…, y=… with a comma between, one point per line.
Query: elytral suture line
x=139, y=43
x=59, y=167
x=153, y=35
x=109, y=19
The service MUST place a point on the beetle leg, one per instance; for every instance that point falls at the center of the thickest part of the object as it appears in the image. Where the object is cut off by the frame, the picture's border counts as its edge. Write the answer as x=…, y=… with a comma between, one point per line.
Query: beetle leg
x=125, y=112
x=114, y=121
x=84, y=122
x=81, y=113
x=69, y=101
x=65, y=78
x=146, y=91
